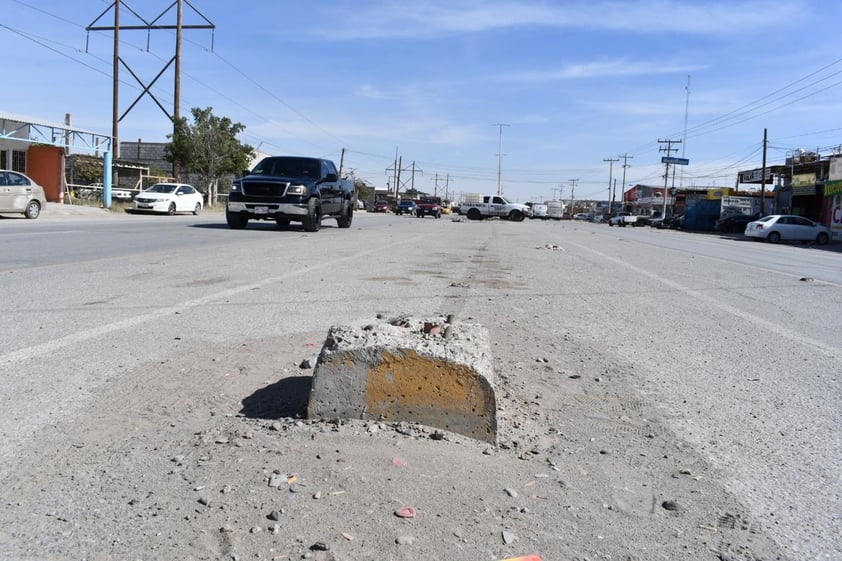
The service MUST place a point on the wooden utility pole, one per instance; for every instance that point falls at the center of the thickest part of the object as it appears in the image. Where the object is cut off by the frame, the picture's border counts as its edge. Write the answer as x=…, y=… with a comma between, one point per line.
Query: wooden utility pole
x=626, y=164
x=176, y=104
x=115, y=121
x=669, y=150
x=763, y=176
x=572, y=192
x=610, y=177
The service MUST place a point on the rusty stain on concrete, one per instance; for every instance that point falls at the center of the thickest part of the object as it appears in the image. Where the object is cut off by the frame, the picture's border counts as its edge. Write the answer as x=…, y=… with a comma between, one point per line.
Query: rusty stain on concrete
x=408, y=387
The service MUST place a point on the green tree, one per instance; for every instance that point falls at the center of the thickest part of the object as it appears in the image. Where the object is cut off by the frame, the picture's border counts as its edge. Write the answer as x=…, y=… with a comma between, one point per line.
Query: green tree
x=209, y=148
x=85, y=169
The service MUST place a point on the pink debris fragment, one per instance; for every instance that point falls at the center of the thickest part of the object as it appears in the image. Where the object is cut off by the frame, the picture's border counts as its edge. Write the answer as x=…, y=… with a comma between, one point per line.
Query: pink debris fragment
x=405, y=512
x=398, y=462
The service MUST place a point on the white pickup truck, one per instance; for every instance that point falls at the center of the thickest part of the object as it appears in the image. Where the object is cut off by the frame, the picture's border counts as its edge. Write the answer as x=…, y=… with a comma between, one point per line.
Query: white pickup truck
x=495, y=205
x=623, y=219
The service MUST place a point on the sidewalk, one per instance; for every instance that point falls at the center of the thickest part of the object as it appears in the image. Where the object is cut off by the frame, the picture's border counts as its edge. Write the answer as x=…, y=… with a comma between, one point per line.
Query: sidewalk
x=58, y=210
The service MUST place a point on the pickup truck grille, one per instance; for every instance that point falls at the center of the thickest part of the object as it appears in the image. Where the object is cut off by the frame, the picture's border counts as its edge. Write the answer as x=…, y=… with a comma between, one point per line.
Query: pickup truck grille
x=264, y=188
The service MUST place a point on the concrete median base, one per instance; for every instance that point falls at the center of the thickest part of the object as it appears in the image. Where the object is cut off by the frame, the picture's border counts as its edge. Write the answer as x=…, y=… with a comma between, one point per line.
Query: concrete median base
x=432, y=371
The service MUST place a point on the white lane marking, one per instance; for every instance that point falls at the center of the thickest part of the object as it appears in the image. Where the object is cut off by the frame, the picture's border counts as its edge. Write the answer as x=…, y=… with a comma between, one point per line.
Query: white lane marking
x=775, y=328
x=48, y=347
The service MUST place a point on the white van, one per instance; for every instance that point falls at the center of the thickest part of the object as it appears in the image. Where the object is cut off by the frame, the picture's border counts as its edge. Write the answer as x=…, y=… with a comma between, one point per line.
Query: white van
x=555, y=210
x=539, y=210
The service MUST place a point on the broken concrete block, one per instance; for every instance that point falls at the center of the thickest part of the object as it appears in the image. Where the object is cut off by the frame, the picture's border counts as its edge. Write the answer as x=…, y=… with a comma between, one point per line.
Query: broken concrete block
x=408, y=370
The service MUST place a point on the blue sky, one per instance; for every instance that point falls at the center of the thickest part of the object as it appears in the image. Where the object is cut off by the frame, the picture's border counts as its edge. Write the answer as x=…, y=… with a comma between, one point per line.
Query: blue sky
x=575, y=82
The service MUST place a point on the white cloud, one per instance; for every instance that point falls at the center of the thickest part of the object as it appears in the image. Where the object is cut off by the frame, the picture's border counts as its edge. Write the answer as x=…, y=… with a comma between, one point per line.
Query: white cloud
x=370, y=91
x=435, y=18
x=611, y=68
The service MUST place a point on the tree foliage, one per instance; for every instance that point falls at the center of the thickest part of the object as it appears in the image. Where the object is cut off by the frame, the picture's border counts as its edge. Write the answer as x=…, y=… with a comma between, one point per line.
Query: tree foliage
x=209, y=148
x=85, y=169
x=364, y=191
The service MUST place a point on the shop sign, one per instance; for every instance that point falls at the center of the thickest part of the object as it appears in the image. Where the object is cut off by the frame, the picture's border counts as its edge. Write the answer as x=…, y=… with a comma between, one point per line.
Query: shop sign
x=835, y=169
x=756, y=175
x=836, y=216
x=832, y=188
x=739, y=205
x=804, y=184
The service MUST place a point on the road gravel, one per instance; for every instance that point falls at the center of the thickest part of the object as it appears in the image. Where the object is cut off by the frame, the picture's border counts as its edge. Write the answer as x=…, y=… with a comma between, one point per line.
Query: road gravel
x=657, y=397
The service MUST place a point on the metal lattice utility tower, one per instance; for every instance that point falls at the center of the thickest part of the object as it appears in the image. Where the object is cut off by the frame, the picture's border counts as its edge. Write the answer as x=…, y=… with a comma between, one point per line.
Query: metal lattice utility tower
x=148, y=26
x=610, y=177
x=394, y=173
x=500, y=156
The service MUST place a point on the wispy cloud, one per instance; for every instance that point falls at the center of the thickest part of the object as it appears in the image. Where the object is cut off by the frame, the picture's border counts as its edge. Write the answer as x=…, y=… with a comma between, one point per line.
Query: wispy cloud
x=435, y=18
x=600, y=69
x=370, y=91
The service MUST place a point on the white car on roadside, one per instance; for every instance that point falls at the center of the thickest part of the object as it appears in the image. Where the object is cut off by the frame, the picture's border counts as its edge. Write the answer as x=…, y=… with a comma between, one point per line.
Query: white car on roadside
x=169, y=198
x=787, y=227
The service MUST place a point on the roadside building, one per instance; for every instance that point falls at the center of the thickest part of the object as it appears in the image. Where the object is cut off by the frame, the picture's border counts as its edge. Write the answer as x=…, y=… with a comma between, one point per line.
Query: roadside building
x=37, y=148
x=806, y=185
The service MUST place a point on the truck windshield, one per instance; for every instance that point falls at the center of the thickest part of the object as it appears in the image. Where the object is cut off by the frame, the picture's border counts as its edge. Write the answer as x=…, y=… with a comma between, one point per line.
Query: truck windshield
x=288, y=167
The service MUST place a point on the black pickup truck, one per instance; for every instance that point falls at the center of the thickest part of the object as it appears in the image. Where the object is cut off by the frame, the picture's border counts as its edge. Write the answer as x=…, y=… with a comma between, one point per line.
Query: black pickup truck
x=291, y=189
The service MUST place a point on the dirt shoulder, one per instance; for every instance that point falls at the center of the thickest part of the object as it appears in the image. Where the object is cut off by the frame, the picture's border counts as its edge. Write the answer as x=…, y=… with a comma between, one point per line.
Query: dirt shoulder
x=211, y=459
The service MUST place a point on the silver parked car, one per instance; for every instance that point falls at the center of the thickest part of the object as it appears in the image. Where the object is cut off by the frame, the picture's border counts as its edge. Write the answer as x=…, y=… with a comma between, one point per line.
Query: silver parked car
x=19, y=194
x=787, y=227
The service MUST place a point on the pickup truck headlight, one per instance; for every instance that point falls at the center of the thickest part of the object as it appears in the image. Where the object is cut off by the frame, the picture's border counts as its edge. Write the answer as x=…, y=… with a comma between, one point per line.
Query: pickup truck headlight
x=235, y=187
x=297, y=190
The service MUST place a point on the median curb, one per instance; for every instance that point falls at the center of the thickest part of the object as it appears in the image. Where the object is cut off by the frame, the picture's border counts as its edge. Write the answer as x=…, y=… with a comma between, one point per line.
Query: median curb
x=433, y=371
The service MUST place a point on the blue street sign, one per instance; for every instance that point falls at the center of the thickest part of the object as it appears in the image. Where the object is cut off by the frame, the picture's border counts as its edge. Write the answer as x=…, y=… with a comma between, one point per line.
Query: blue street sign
x=676, y=161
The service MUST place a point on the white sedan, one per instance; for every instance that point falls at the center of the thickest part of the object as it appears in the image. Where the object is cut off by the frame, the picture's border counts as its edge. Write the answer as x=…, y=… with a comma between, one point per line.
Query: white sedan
x=787, y=227
x=169, y=198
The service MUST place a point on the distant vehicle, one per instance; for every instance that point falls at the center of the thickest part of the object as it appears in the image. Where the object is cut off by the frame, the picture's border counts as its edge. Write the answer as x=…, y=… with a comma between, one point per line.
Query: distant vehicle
x=555, y=210
x=382, y=206
x=169, y=198
x=581, y=216
x=675, y=222
x=406, y=206
x=734, y=223
x=787, y=227
x=539, y=210
x=623, y=219
x=21, y=195
x=496, y=206
x=428, y=206
x=121, y=194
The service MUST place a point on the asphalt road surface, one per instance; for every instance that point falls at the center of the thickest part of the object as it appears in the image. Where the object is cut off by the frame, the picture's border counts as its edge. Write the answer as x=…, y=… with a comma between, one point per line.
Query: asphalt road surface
x=737, y=341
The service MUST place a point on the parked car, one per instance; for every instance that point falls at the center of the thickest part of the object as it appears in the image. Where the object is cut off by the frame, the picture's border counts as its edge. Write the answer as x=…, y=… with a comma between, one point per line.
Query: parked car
x=382, y=206
x=169, y=198
x=734, y=223
x=670, y=222
x=406, y=207
x=623, y=219
x=21, y=195
x=787, y=227
x=581, y=216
